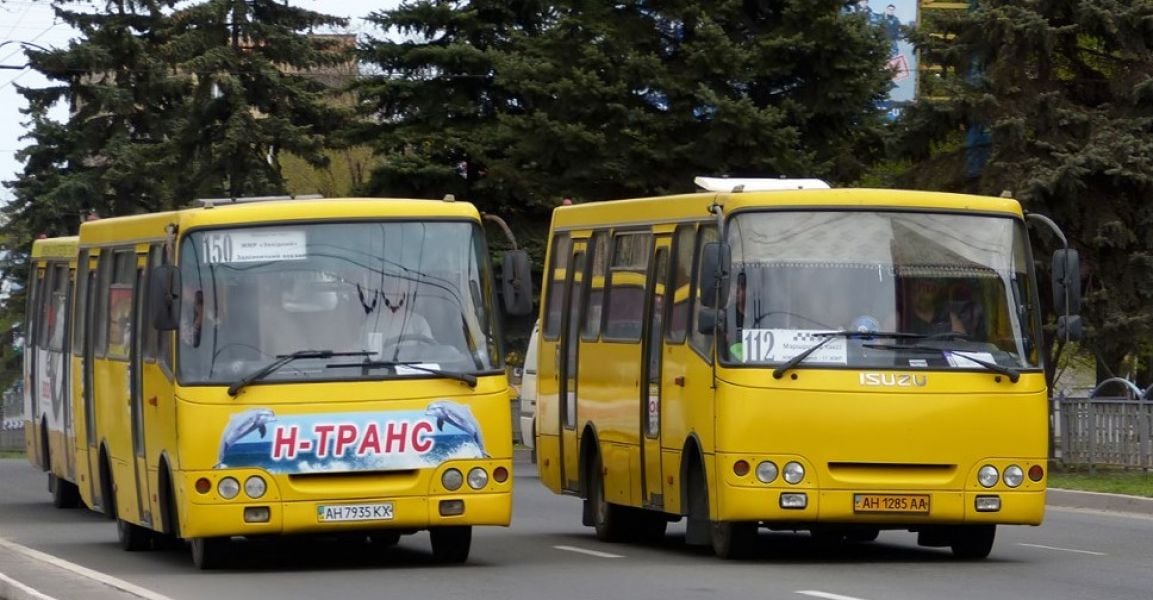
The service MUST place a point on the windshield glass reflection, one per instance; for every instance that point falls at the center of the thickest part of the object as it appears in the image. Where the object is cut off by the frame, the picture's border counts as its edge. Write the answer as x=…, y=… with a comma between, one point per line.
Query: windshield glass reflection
x=959, y=282
x=405, y=292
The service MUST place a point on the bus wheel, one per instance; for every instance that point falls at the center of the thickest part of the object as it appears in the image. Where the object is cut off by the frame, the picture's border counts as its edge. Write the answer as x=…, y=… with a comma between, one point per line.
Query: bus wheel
x=608, y=519
x=209, y=553
x=450, y=545
x=732, y=539
x=133, y=537
x=65, y=494
x=973, y=542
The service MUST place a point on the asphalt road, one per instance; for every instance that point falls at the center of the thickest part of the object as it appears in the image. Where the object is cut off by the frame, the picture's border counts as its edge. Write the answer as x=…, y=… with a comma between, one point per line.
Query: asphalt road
x=546, y=553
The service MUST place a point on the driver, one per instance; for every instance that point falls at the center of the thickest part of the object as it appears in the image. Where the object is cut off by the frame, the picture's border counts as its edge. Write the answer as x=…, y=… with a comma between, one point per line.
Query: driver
x=930, y=314
x=395, y=318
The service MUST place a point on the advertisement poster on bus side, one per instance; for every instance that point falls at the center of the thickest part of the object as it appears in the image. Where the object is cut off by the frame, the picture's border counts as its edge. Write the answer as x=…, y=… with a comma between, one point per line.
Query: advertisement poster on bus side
x=354, y=441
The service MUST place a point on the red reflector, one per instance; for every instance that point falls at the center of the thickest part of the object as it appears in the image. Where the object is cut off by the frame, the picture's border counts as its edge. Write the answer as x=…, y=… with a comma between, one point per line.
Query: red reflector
x=1036, y=472
x=203, y=485
x=500, y=474
x=741, y=468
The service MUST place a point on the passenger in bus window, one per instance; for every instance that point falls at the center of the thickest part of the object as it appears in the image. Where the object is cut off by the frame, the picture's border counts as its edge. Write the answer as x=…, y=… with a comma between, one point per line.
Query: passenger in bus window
x=964, y=302
x=928, y=311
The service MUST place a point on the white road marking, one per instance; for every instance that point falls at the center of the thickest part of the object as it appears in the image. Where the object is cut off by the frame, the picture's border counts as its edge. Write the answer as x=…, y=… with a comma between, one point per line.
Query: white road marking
x=106, y=579
x=1044, y=547
x=826, y=595
x=10, y=588
x=588, y=552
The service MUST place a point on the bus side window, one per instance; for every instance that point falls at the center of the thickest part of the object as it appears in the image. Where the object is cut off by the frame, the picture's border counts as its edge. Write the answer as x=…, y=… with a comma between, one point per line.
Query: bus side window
x=702, y=342
x=681, y=292
x=555, y=277
x=624, y=305
x=80, y=314
x=598, y=258
x=100, y=310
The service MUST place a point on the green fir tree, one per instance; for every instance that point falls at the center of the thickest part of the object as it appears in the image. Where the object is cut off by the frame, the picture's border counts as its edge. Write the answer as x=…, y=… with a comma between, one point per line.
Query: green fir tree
x=1053, y=102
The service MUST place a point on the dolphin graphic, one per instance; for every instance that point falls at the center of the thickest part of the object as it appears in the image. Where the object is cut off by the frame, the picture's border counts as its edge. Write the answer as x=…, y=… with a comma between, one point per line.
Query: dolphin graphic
x=242, y=424
x=458, y=416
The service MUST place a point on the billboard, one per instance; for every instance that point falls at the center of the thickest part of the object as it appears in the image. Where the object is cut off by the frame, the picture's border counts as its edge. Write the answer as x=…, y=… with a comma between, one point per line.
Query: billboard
x=894, y=18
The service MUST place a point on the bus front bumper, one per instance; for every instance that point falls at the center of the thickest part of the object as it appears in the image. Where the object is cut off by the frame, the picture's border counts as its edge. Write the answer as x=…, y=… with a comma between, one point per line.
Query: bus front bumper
x=305, y=517
x=897, y=508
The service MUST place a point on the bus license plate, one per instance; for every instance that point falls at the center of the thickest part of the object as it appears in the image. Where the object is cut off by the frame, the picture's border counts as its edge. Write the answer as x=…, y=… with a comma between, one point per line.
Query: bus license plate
x=891, y=503
x=354, y=512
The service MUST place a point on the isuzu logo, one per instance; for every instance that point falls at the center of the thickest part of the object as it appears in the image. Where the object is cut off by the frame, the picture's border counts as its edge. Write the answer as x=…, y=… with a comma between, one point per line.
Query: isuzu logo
x=893, y=379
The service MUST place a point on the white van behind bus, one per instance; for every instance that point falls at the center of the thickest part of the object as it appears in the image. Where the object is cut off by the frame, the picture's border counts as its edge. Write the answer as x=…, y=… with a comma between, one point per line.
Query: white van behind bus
x=528, y=393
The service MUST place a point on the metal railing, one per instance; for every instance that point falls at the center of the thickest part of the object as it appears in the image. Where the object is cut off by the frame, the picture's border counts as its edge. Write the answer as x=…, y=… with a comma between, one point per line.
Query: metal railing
x=1104, y=431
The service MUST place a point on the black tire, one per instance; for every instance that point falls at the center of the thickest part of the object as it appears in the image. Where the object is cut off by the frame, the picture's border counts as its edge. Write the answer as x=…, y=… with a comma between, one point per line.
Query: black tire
x=608, y=519
x=209, y=553
x=450, y=545
x=973, y=542
x=133, y=538
x=107, y=493
x=734, y=539
x=698, y=528
x=45, y=453
x=170, y=539
x=65, y=494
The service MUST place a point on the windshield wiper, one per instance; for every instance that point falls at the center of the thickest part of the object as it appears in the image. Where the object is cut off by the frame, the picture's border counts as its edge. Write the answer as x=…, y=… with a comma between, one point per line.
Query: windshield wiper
x=844, y=333
x=1010, y=372
x=467, y=378
x=284, y=359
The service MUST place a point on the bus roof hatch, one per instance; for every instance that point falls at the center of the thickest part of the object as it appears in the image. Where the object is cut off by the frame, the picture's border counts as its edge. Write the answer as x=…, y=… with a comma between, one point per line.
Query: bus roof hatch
x=736, y=185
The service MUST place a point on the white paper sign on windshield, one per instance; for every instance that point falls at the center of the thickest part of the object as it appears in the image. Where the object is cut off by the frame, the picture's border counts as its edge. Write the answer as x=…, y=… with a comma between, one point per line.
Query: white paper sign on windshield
x=961, y=359
x=260, y=245
x=781, y=345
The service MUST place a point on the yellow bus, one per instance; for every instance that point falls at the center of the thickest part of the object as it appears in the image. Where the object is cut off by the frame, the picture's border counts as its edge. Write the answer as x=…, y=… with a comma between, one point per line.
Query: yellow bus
x=48, y=439
x=758, y=355
x=288, y=367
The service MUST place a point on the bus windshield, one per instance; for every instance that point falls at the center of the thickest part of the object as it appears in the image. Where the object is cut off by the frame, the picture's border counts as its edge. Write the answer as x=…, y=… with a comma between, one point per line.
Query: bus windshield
x=415, y=296
x=953, y=291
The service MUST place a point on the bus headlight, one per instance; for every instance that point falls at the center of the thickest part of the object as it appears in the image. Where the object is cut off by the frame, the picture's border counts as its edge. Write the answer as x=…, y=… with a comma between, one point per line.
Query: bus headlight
x=255, y=487
x=1014, y=476
x=794, y=472
x=452, y=480
x=477, y=478
x=988, y=476
x=767, y=471
x=228, y=488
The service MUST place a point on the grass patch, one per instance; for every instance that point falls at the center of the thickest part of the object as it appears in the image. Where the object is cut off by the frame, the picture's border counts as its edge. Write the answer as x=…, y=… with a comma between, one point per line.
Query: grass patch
x=11, y=454
x=1113, y=481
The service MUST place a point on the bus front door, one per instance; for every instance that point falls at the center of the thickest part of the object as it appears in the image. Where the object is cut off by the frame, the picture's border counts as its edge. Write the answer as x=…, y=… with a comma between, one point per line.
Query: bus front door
x=136, y=370
x=567, y=360
x=650, y=390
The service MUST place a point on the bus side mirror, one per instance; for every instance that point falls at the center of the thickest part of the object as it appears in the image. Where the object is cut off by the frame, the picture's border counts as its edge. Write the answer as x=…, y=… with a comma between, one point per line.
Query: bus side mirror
x=713, y=289
x=516, y=280
x=707, y=319
x=1067, y=282
x=164, y=297
x=1069, y=328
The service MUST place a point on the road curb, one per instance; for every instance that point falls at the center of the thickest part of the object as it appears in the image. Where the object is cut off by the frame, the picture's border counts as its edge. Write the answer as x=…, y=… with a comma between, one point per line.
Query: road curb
x=1099, y=501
